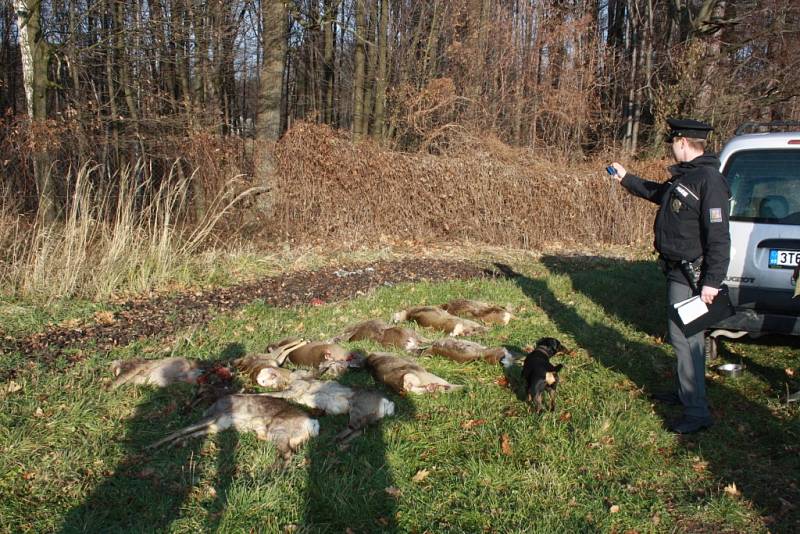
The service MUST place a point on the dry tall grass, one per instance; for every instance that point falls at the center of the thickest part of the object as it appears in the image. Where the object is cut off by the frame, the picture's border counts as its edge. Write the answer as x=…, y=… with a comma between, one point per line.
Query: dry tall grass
x=330, y=189
x=327, y=190
x=129, y=237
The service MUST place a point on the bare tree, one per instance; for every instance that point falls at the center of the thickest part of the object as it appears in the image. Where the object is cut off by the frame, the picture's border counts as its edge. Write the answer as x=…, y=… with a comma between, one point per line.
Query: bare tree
x=35, y=53
x=359, y=77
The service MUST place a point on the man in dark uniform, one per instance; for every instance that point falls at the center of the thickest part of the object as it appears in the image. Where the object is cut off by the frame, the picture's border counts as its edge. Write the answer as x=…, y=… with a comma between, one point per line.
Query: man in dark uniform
x=692, y=239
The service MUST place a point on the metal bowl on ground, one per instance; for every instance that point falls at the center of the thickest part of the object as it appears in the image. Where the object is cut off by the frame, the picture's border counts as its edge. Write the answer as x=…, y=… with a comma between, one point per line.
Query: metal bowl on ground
x=732, y=370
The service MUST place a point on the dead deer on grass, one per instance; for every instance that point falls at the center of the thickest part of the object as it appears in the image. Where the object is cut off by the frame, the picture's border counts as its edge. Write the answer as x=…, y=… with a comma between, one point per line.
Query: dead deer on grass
x=481, y=311
x=383, y=334
x=462, y=350
x=314, y=353
x=404, y=375
x=271, y=419
x=364, y=406
x=439, y=319
x=264, y=369
x=160, y=373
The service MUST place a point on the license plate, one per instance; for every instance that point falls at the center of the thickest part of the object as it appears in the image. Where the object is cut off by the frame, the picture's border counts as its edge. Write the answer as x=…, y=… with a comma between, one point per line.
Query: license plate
x=783, y=259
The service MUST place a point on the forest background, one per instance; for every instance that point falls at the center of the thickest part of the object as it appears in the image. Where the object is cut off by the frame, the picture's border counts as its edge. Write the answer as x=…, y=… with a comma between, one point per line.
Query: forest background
x=136, y=134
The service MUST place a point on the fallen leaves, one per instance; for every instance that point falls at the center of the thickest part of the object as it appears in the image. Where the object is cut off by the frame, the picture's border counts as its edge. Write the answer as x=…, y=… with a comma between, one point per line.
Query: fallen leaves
x=421, y=475
x=472, y=423
x=12, y=387
x=502, y=381
x=698, y=465
x=732, y=491
x=505, y=445
x=614, y=509
x=393, y=492
x=105, y=318
x=70, y=324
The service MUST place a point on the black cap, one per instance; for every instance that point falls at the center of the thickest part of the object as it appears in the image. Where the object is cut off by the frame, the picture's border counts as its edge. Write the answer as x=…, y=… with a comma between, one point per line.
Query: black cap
x=687, y=128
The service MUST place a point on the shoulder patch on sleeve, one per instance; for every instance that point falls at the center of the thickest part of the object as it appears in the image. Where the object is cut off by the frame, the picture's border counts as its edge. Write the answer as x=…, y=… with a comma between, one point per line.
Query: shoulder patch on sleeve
x=715, y=215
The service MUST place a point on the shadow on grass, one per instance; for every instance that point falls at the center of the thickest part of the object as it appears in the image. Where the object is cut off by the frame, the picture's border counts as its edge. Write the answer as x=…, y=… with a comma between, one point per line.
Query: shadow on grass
x=749, y=445
x=347, y=489
x=147, y=489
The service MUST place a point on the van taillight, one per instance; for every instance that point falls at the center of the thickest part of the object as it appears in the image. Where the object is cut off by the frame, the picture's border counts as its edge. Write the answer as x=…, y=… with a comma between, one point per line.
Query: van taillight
x=794, y=141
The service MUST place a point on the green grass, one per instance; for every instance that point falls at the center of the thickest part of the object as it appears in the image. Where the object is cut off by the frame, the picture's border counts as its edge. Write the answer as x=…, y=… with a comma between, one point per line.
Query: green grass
x=72, y=458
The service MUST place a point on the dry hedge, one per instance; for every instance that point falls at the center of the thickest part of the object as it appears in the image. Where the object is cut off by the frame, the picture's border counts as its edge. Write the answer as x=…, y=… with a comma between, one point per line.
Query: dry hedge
x=331, y=189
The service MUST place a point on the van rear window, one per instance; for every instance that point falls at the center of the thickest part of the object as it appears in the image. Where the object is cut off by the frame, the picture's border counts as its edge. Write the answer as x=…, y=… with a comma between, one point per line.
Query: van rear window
x=765, y=186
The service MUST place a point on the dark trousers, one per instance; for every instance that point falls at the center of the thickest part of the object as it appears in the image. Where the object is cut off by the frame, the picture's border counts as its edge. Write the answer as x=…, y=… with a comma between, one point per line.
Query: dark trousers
x=691, y=356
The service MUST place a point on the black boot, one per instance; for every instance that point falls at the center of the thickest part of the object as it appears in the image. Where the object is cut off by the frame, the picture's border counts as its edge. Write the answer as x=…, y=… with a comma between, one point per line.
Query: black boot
x=689, y=424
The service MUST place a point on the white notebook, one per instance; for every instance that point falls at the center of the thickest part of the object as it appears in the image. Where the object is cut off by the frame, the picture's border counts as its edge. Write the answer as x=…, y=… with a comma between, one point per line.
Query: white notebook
x=690, y=309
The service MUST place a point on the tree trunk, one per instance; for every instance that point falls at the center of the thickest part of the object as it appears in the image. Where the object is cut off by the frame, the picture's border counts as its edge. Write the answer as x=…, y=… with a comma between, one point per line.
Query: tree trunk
x=182, y=23
x=34, y=52
x=380, y=81
x=358, y=78
x=124, y=66
x=328, y=58
x=268, y=119
x=711, y=10
x=270, y=115
x=372, y=66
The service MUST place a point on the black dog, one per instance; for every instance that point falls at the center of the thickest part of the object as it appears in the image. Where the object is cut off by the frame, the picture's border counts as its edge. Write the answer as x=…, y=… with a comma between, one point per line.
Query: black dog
x=540, y=375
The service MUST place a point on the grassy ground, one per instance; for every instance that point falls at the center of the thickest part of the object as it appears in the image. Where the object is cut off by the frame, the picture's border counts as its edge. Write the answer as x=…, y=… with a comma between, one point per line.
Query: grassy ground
x=72, y=458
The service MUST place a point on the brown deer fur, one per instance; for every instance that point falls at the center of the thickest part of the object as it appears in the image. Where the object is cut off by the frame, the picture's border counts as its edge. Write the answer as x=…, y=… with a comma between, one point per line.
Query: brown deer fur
x=155, y=372
x=462, y=350
x=275, y=420
x=439, y=319
x=481, y=311
x=314, y=353
x=383, y=334
x=404, y=375
x=333, y=398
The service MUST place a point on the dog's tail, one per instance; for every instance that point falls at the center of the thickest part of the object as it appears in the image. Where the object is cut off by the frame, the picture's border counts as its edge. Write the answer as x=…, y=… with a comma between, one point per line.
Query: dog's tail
x=558, y=368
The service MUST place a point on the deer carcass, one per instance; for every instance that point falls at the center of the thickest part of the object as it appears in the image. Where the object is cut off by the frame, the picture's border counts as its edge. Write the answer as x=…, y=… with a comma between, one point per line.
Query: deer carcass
x=439, y=319
x=271, y=419
x=462, y=350
x=364, y=406
x=404, y=375
x=481, y=311
x=160, y=373
x=383, y=334
x=314, y=353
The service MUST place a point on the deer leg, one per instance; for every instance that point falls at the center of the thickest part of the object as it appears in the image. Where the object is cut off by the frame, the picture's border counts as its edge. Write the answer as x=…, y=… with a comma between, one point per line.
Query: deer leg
x=203, y=427
x=281, y=353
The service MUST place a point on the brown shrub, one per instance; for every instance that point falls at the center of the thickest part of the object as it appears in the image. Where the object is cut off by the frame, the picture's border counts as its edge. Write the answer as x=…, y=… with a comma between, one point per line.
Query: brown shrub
x=329, y=188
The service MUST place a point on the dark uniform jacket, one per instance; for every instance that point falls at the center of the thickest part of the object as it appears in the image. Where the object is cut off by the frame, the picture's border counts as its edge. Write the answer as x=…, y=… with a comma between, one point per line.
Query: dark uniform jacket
x=692, y=220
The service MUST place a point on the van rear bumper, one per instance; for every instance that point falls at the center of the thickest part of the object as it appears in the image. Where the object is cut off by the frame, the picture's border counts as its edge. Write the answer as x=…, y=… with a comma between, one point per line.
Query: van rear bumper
x=749, y=320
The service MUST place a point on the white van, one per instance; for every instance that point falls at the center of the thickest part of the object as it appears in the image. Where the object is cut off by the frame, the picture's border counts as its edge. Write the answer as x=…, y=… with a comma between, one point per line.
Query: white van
x=763, y=171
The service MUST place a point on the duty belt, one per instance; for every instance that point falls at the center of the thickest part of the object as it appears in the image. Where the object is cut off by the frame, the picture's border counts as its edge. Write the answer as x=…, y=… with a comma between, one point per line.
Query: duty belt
x=690, y=269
